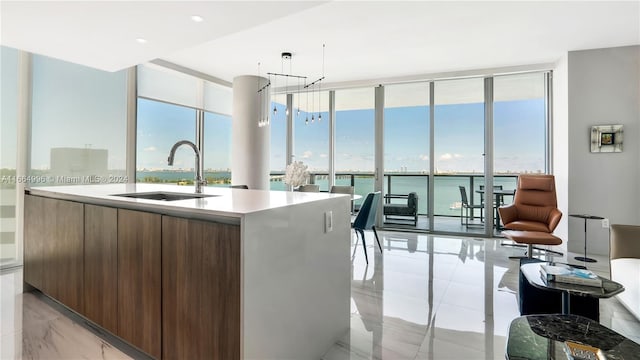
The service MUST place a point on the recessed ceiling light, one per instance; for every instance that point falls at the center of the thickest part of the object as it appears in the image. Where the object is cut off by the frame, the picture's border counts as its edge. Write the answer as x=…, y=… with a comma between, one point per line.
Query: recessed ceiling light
x=197, y=18
x=141, y=40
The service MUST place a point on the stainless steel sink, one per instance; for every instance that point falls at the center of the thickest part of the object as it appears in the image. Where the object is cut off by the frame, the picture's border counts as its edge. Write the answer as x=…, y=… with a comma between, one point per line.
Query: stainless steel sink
x=164, y=196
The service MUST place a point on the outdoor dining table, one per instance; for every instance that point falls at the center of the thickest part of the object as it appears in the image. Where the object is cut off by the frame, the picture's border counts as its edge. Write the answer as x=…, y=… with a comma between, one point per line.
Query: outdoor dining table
x=499, y=195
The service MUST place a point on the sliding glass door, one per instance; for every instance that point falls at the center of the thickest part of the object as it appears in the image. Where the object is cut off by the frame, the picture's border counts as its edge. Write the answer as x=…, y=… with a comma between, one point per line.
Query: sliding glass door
x=458, y=144
x=406, y=152
x=459, y=141
x=355, y=140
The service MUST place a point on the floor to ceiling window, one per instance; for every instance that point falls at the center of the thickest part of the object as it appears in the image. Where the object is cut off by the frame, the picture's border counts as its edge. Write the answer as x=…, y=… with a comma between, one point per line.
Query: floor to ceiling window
x=76, y=132
x=169, y=106
x=9, y=246
x=459, y=153
x=278, y=156
x=354, y=139
x=406, y=146
x=519, y=124
x=217, y=149
x=458, y=158
x=519, y=129
x=311, y=135
x=78, y=124
x=159, y=126
x=519, y=141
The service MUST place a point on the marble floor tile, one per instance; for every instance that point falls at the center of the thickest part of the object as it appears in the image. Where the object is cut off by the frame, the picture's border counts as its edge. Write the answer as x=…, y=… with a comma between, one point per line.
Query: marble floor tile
x=64, y=339
x=32, y=329
x=471, y=306
x=10, y=301
x=451, y=344
x=423, y=297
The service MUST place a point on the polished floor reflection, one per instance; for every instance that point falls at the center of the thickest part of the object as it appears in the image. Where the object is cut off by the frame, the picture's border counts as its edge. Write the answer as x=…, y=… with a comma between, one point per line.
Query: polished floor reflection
x=32, y=329
x=424, y=297
x=436, y=297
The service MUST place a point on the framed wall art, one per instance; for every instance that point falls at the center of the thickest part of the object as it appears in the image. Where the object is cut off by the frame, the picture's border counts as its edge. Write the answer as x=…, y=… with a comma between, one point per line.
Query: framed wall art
x=606, y=138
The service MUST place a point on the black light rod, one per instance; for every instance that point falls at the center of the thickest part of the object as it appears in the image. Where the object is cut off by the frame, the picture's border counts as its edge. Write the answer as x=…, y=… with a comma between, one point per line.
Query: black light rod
x=287, y=75
x=306, y=86
x=264, y=87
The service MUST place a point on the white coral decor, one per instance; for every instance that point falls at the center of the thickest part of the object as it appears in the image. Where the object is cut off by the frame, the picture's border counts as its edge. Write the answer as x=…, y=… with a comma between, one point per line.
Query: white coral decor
x=296, y=174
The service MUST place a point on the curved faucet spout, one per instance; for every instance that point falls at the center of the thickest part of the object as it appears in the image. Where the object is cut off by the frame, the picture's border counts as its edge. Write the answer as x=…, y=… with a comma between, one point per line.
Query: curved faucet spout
x=199, y=181
x=175, y=147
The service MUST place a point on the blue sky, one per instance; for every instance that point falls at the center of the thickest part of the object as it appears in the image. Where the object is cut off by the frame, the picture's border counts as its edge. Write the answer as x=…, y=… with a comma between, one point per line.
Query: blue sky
x=161, y=125
x=459, y=138
x=77, y=107
x=79, y=114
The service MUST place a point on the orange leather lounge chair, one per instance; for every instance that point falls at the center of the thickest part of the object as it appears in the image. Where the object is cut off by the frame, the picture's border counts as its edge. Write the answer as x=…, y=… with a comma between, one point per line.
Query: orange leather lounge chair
x=533, y=215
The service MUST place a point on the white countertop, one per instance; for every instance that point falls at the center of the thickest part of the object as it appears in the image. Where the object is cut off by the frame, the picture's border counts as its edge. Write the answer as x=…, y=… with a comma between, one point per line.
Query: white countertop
x=228, y=202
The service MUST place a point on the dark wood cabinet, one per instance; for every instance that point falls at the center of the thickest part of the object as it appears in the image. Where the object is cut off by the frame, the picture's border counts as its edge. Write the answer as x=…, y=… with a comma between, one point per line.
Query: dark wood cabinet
x=101, y=266
x=63, y=260
x=139, y=280
x=34, y=241
x=200, y=289
x=167, y=285
x=54, y=247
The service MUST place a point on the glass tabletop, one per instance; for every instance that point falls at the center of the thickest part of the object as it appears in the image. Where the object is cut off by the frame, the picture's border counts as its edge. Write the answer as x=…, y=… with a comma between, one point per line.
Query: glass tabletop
x=609, y=288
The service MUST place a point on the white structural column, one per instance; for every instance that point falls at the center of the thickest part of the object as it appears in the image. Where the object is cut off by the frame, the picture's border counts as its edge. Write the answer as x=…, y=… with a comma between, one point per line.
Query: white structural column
x=132, y=123
x=488, y=156
x=250, y=145
x=332, y=138
x=290, y=129
x=379, y=149
x=432, y=152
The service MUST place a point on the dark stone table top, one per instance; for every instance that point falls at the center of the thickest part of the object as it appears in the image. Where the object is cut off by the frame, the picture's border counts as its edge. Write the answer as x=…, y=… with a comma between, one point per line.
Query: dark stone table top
x=543, y=337
x=609, y=288
x=586, y=216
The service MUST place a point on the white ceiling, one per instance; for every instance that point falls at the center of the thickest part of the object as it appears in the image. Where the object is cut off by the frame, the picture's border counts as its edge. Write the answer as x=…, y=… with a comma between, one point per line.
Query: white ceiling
x=364, y=39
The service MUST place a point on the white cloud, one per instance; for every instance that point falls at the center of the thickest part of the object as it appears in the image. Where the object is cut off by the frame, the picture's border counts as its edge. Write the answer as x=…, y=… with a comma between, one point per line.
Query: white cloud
x=307, y=154
x=424, y=157
x=324, y=156
x=448, y=156
x=150, y=148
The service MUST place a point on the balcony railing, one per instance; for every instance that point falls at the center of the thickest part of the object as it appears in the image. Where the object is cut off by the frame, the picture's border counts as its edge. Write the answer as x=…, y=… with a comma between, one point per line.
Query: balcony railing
x=447, y=199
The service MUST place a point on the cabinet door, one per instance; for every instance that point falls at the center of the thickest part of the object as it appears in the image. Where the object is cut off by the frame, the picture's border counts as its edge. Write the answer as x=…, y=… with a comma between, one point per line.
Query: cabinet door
x=139, y=280
x=33, y=240
x=64, y=251
x=200, y=289
x=53, y=248
x=101, y=266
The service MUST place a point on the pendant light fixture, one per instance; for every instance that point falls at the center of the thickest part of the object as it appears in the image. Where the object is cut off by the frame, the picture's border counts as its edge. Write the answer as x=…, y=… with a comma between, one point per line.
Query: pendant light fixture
x=263, y=92
x=320, y=87
x=263, y=96
x=312, y=87
x=273, y=96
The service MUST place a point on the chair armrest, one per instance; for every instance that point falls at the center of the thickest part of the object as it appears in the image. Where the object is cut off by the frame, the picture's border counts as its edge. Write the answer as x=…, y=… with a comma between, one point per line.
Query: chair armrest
x=625, y=241
x=389, y=197
x=395, y=196
x=554, y=219
x=508, y=213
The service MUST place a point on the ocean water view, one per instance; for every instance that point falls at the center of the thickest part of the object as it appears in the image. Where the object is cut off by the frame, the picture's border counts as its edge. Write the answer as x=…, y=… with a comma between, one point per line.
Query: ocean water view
x=447, y=199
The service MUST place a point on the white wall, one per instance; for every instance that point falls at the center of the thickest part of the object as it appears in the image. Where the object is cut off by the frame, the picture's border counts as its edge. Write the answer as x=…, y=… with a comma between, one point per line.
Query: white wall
x=604, y=88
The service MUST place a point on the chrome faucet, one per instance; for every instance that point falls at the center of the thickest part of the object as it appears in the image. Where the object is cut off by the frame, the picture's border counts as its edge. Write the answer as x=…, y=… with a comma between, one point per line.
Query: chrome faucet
x=199, y=179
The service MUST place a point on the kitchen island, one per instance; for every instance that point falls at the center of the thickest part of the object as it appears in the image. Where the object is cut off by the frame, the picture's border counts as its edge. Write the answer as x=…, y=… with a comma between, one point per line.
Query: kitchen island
x=227, y=274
